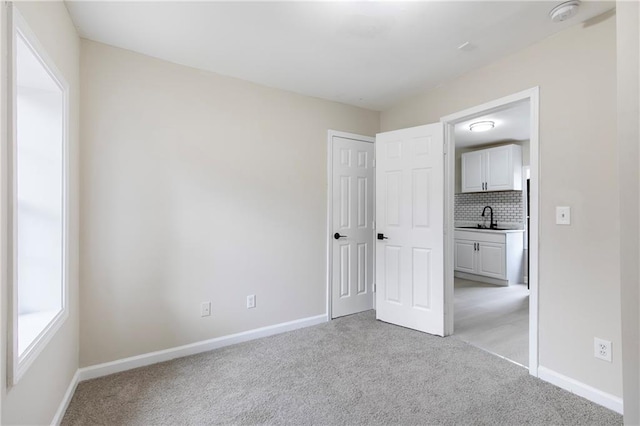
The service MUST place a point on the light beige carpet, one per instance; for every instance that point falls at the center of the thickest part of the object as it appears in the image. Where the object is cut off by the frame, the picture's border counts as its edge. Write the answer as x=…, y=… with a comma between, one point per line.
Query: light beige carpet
x=354, y=370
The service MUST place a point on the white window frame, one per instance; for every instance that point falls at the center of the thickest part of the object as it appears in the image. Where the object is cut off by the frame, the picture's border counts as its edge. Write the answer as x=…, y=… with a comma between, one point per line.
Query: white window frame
x=19, y=364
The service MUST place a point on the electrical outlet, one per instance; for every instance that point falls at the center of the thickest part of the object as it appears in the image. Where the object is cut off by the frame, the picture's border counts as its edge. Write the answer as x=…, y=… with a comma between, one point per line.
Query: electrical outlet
x=602, y=349
x=251, y=301
x=205, y=309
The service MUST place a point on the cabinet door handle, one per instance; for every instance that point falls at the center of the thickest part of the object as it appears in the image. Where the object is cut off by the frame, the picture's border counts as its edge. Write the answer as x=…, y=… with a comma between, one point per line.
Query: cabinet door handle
x=474, y=246
x=478, y=246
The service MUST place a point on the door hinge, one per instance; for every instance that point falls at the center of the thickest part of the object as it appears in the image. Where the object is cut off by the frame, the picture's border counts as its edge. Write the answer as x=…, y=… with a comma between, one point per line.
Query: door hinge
x=374, y=287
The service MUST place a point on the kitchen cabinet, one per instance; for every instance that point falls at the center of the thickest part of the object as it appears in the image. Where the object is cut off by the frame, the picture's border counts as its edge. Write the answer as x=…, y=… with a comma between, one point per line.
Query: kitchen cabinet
x=492, y=169
x=489, y=256
x=492, y=260
x=465, y=258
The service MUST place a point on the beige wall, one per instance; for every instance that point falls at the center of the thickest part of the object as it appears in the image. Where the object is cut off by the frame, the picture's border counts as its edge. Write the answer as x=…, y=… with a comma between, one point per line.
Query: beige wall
x=198, y=187
x=579, y=264
x=628, y=40
x=38, y=394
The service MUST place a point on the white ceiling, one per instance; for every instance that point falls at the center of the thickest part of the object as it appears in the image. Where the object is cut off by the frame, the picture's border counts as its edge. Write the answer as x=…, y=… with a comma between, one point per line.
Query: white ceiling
x=368, y=53
x=511, y=124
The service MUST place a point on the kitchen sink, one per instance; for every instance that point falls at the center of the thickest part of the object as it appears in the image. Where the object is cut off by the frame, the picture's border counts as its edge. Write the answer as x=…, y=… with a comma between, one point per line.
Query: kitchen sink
x=482, y=229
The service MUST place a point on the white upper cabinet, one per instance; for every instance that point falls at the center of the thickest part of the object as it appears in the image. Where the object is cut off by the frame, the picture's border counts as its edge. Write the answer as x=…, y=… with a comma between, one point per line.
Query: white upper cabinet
x=473, y=171
x=504, y=168
x=492, y=169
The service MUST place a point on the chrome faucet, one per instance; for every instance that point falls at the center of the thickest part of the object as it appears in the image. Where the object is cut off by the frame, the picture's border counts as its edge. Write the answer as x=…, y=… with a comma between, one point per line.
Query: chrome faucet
x=491, y=224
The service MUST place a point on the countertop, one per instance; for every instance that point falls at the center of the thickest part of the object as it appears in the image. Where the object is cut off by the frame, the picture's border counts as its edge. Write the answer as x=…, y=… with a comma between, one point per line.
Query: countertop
x=489, y=231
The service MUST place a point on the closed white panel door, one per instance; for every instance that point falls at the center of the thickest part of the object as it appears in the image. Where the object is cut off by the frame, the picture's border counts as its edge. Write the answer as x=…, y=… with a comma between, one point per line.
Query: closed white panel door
x=352, y=238
x=465, y=256
x=492, y=260
x=472, y=172
x=410, y=225
x=499, y=168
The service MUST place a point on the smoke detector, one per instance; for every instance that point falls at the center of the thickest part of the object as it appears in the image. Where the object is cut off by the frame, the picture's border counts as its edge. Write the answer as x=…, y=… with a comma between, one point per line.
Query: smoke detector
x=564, y=11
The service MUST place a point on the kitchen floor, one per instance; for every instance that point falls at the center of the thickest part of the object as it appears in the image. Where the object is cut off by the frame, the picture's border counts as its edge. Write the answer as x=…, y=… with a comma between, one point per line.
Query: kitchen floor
x=493, y=318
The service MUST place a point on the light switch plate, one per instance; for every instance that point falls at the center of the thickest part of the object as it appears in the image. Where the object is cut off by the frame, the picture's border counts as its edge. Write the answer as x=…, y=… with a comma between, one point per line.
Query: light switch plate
x=563, y=215
x=251, y=301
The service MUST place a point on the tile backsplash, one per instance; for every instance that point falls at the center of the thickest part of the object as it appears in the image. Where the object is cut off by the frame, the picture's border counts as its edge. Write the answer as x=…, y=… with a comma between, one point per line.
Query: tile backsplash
x=506, y=205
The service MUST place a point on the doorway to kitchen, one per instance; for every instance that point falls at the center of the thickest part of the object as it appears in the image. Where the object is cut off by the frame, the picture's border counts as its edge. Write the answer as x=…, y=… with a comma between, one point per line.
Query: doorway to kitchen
x=491, y=247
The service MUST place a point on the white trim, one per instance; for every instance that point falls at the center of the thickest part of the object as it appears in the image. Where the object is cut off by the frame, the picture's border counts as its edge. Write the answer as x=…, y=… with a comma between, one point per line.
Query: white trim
x=38, y=345
x=12, y=335
x=483, y=109
x=330, y=135
x=449, y=221
x=525, y=169
x=64, y=404
x=5, y=25
x=125, y=364
x=534, y=230
x=346, y=135
x=607, y=400
x=18, y=27
x=449, y=122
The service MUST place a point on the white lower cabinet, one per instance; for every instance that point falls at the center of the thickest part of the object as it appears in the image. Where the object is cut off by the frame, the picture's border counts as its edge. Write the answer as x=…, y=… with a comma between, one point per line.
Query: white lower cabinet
x=465, y=256
x=492, y=260
x=493, y=257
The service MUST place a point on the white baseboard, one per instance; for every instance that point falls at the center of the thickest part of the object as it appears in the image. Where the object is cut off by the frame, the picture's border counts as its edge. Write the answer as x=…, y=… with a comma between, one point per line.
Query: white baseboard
x=125, y=364
x=57, y=418
x=588, y=392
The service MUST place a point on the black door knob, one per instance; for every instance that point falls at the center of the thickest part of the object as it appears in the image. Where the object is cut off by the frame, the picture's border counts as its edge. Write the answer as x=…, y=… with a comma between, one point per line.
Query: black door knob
x=382, y=237
x=338, y=236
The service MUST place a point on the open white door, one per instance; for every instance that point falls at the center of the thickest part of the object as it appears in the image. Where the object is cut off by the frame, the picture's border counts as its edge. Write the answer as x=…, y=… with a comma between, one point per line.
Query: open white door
x=410, y=227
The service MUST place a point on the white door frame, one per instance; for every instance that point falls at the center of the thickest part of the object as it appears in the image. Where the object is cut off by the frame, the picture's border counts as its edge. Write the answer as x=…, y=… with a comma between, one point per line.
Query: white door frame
x=449, y=123
x=330, y=136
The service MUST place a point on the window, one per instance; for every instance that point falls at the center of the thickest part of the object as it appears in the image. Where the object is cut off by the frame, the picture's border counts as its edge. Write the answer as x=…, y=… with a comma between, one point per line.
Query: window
x=38, y=115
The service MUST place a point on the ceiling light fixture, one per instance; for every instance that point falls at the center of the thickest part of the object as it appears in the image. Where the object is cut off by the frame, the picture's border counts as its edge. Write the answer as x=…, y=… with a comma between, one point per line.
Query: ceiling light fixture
x=467, y=46
x=481, y=126
x=564, y=11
